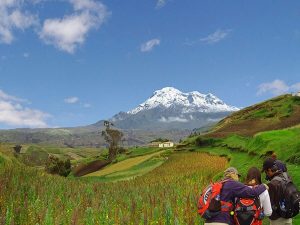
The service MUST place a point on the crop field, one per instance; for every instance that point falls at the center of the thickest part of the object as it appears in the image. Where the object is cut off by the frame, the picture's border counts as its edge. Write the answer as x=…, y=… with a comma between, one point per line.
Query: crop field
x=124, y=165
x=166, y=195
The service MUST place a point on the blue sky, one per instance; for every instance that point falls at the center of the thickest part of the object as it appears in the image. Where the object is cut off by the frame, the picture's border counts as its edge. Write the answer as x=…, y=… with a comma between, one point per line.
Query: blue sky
x=74, y=62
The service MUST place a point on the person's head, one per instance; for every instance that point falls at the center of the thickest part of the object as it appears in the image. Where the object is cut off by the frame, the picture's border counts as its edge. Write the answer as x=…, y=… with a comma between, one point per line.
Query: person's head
x=231, y=173
x=274, y=156
x=270, y=167
x=253, y=176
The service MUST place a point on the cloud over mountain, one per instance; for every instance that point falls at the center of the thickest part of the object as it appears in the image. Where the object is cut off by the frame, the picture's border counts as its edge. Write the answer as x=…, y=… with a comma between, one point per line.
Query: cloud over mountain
x=14, y=113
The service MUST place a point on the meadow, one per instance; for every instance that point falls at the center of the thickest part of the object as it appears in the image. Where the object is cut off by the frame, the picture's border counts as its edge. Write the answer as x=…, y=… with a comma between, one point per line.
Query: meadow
x=166, y=195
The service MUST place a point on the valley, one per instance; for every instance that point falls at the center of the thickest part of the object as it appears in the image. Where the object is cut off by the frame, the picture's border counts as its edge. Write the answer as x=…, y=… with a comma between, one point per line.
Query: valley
x=143, y=185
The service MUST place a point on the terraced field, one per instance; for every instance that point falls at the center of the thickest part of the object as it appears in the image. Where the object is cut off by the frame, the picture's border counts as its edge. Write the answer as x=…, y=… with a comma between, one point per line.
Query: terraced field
x=124, y=165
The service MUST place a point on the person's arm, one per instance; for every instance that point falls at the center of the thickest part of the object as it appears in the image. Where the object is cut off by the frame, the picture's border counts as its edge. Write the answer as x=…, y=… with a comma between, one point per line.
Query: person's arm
x=266, y=203
x=243, y=191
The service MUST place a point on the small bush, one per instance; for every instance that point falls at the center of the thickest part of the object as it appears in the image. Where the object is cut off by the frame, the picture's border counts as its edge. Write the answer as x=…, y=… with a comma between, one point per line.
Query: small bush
x=201, y=141
x=18, y=149
x=58, y=166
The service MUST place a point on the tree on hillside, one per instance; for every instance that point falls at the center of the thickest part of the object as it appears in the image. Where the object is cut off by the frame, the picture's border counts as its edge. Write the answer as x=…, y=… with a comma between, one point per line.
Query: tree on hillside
x=113, y=137
x=55, y=165
x=160, y=140
x=18, y=148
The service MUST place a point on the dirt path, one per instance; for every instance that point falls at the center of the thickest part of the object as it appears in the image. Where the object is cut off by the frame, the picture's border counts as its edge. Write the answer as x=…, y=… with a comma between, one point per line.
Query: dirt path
x=124, y=165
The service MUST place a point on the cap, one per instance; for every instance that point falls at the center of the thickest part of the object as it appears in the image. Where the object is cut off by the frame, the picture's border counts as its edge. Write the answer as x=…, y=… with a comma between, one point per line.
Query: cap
x=231, y=170
x=268, y=164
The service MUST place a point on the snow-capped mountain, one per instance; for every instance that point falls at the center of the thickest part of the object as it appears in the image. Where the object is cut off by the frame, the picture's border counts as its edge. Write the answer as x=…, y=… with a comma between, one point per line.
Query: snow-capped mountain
x=170, y=108
x=189, y=102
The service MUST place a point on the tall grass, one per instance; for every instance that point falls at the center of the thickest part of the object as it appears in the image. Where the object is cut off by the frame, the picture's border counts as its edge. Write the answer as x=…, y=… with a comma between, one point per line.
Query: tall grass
x=167, y=195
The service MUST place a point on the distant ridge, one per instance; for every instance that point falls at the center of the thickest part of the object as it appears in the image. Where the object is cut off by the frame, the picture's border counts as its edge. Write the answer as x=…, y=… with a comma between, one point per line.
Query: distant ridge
x=168, y=113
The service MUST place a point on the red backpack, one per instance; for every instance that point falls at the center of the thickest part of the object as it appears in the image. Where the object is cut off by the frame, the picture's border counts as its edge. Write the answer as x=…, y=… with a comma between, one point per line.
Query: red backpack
x=248, y=211
x=209, y=204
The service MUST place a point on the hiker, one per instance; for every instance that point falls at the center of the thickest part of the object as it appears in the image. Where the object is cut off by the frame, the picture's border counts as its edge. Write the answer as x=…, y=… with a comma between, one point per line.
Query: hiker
x=251, y=211
x=279, y=182
x=281, y=165
x=229, y=189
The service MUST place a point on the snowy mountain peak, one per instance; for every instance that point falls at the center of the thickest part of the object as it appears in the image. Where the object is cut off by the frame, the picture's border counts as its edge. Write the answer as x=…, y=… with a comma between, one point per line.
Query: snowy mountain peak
x=187, y=102
x=169, y=90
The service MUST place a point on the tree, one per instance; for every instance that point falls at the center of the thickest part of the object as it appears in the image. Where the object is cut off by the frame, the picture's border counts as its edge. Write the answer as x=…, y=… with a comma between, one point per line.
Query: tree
x=18, y=149
x=113, y=138
x=58, y=166
x=160, y=140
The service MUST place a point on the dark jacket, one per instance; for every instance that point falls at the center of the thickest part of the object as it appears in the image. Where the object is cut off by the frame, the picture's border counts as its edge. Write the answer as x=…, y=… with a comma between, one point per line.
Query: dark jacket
x=231, y=190
x=275, y=192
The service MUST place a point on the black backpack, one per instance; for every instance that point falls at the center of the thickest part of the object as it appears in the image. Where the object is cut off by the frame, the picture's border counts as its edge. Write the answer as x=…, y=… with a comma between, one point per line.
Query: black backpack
x=289, y=204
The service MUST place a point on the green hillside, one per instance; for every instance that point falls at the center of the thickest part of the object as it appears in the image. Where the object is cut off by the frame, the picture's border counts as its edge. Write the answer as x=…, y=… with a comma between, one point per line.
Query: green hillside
x=277, y=113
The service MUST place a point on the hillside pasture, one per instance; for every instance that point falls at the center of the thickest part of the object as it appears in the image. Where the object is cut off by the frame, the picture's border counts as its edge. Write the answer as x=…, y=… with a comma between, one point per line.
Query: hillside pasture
x=278, y=113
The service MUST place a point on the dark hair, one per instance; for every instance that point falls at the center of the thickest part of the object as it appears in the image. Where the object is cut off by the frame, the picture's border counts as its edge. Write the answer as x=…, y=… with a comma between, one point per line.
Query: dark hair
x=253, y=173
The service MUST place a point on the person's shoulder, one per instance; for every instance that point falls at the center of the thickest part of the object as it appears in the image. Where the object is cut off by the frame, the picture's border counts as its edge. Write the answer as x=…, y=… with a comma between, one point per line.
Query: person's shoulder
x=232, y=182
x=264, y=194
x=274, y=182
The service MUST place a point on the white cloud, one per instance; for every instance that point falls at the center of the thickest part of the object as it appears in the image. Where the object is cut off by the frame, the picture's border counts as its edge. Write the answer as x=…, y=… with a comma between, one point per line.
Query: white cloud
x=87, y=105
x=6, y=97
x=12, y=17
x=13, y=113
x=71, y=100
x=161, y=3
x=149, y=45
x=216, y=37
x=276, y=87
x=69, y=32
x=295, y=87
x=172, y=119
x=214, y=119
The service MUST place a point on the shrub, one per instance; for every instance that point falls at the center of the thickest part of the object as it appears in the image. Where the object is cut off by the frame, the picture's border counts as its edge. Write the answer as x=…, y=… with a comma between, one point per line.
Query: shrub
x=58, y=166
x=18, y=149
x=201, y=141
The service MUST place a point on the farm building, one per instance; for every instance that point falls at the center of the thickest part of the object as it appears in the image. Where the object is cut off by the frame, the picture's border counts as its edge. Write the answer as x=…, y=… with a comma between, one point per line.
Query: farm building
x=167, y=144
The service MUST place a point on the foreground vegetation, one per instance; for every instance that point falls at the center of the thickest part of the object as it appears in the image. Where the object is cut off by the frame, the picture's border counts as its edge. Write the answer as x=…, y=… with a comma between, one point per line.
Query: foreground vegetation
x=166, y=195
x=245, y=152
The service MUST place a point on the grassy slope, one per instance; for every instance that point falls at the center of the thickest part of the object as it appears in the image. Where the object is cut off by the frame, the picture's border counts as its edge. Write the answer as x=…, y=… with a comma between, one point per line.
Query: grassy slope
x=133, y=172
x=277, y=113
x=124, y=165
